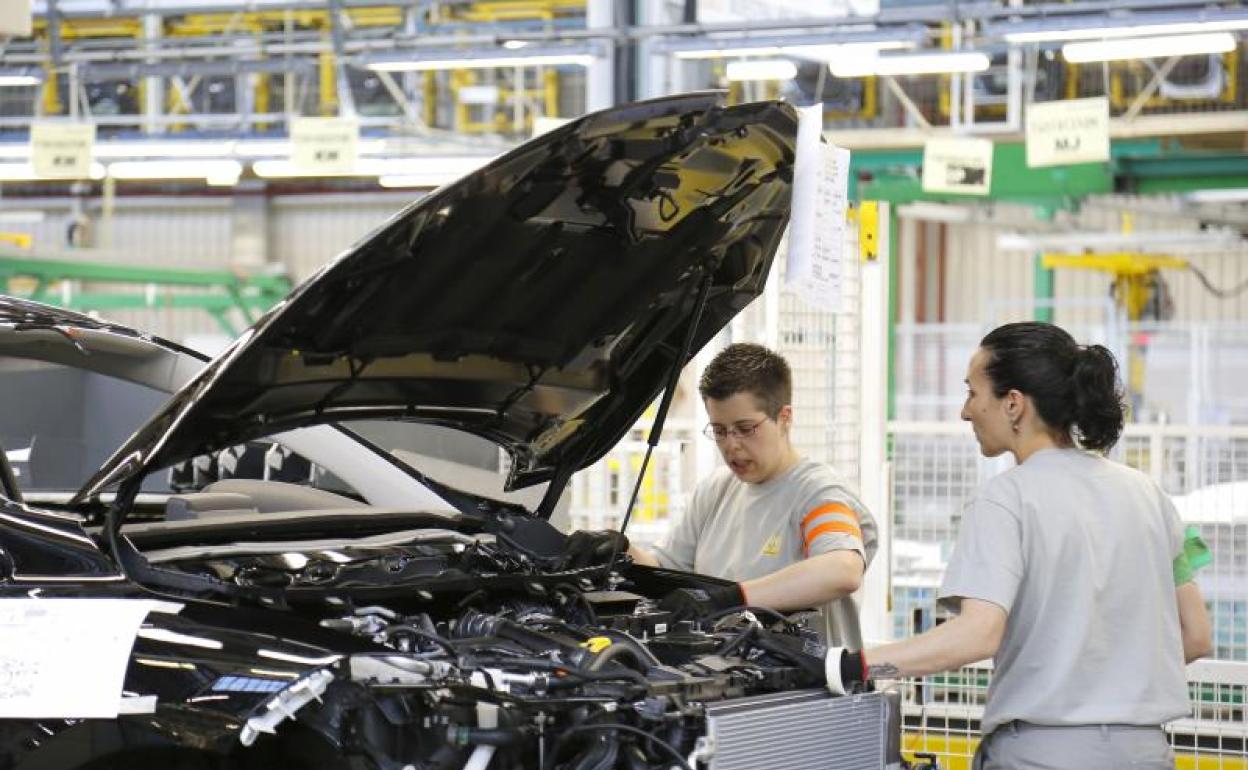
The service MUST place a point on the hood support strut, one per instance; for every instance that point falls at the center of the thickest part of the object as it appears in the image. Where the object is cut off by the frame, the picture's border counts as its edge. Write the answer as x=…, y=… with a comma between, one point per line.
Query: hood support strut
x=660, y=417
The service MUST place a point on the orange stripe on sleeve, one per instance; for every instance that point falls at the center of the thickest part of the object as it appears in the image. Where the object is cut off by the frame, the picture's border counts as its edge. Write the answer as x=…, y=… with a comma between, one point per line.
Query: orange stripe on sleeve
x=831, y=526
x=840, y=508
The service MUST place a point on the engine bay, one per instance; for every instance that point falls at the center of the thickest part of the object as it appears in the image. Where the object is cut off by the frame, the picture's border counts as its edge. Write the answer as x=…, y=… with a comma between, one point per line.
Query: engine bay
x=487, y=646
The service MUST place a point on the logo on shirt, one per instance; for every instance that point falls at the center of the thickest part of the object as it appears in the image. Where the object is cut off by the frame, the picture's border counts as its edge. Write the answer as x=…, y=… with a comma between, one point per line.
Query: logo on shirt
x=772, y=546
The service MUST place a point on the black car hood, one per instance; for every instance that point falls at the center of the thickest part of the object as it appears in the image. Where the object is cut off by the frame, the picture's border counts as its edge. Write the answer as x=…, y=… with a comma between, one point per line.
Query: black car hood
x=540, y=301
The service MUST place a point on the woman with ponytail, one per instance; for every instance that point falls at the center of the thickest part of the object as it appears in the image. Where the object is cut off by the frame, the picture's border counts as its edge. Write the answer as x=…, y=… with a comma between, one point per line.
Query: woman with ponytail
x=1065, y=570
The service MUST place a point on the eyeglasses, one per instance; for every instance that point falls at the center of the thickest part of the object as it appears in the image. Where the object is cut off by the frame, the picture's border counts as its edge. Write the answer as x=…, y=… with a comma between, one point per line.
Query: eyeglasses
x=720, y=433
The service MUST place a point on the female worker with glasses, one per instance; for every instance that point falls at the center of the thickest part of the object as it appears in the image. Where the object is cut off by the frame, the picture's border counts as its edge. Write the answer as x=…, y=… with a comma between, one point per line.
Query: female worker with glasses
x=784, y=529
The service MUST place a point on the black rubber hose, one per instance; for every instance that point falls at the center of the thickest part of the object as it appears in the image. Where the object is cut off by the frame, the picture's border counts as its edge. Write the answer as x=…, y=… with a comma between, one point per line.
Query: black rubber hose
x=671, y=750
x=475, y=623
x=617, y=650
x=420, y=633
x=639, y=649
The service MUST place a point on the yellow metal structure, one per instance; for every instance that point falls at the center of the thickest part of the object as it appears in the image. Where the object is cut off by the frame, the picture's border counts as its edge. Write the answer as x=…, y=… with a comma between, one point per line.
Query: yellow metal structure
x=955, y=753
x=1137, y=279
x=511, y=10
x=328, y=84
x=1121, y=100
x=21, y=240
x=1135, y=275
x=545, y=92
x=869, y=231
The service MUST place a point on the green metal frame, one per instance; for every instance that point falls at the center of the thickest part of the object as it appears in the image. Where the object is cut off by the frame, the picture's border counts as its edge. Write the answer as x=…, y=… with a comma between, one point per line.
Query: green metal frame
x=219, y=291
x=1135, y=166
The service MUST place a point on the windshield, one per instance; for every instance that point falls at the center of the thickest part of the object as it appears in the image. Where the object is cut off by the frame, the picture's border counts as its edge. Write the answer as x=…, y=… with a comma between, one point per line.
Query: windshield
x=455, y=458
x=58, y=423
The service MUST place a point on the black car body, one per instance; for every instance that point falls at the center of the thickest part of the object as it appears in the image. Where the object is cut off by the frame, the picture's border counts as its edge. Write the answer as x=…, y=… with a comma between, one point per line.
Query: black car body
x=541, y=303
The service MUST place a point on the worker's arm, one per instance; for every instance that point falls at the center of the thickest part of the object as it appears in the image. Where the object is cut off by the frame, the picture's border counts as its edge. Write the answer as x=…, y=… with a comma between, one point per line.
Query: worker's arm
x=808, y=583
x=975, y=634
x=642, y=556
x=1194, y=622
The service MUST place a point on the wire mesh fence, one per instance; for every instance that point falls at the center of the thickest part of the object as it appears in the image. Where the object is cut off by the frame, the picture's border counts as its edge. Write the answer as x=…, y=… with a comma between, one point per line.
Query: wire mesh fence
x=937, y=468
x=941, y=716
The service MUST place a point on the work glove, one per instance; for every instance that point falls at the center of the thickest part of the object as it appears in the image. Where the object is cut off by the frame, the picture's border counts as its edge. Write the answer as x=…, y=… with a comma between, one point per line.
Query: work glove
x=585, y=548
x=695, y=603
x=840, y=670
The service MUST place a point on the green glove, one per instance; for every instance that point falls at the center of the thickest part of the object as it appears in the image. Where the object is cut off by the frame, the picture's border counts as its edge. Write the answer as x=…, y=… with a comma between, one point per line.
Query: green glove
x=1196, y=554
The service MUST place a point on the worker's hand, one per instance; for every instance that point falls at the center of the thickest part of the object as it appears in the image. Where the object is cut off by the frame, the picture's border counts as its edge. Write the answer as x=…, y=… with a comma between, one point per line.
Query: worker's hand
x=695, y=603
x=585, y=548
x=840, y=670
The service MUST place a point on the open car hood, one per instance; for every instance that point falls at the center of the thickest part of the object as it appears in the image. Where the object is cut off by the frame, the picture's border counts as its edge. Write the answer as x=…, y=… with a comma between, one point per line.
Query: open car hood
x=539, y=302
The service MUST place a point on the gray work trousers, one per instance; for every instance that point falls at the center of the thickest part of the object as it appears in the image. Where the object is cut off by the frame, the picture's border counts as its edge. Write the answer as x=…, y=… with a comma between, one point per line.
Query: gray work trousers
x=1025, y=746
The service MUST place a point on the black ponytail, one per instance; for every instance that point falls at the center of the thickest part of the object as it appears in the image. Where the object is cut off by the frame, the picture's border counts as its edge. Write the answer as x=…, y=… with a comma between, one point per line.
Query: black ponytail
x=1098, y=398
x=1075, y=389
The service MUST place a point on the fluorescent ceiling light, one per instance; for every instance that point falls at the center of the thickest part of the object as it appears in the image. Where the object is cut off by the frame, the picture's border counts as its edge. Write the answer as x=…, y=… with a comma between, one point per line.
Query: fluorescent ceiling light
x=21, y=76
x=428, y=181
x=762, y=69
x=447, y=167
x=1152, y=241
x=1131, y=30
x=1229, y=195
x=825, y=51
x=215, y=172
x=911, y=64
x=1148, y=47
x=251, y=148
x=24, y=172
x=480, y=62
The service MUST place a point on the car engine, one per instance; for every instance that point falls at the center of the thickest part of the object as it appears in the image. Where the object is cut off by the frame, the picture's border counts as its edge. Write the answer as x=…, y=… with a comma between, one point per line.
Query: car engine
x=489, y=653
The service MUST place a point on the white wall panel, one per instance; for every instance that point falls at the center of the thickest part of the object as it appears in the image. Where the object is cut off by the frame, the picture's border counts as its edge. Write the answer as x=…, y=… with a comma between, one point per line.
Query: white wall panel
x=981, y=279
x=307, y=231
x=169, y=232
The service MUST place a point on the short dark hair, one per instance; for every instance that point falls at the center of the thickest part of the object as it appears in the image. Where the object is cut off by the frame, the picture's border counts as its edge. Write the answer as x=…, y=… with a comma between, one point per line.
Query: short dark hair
x=744, y=367
x=1074, y=387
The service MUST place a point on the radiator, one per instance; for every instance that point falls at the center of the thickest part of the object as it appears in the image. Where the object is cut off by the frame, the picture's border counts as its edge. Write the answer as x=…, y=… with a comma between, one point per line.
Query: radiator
x=804, y=730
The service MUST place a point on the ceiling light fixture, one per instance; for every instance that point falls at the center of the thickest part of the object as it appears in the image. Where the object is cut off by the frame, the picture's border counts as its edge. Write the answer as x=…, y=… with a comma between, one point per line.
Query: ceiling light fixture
x=805, y=46
x=445, y=167
x=21, y=76
x=911, y=64
x=761, y=69
x=1092, y=31
x=214, y=172
x=427, y=181
x=1225, y=195
x=19, y=80
x=1148, y=47
x=454, y=60
x=24, y=172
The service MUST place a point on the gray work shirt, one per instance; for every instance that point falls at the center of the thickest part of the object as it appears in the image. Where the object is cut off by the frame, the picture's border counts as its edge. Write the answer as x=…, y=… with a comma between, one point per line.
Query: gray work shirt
x=740, y=531
x=1078, y=550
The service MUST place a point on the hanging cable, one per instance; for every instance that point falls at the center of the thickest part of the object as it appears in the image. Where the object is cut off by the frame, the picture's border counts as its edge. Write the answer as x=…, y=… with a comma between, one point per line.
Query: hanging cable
x=1238, y=289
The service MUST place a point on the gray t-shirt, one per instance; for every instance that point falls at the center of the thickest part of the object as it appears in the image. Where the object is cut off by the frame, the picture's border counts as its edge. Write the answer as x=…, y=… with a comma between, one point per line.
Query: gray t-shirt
x=740, y=531
x=1078, y=550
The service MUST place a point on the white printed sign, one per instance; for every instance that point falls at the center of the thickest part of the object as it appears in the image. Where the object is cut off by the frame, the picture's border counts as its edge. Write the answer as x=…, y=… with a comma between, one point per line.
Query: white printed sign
x=61, y=150
x=326, y=145
x=957, y=165
x=543, y=124
x=66, y=658
x=15, y=17
x=1070, y=131
x=817, y=221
